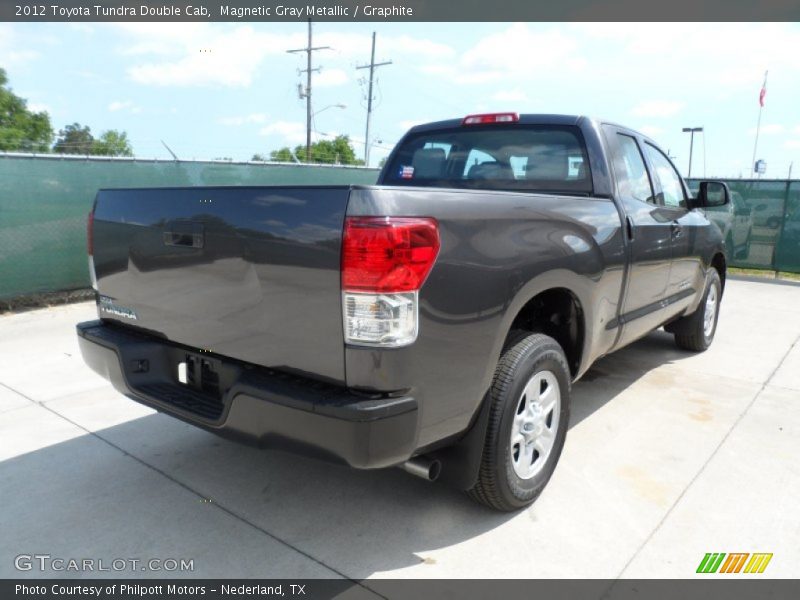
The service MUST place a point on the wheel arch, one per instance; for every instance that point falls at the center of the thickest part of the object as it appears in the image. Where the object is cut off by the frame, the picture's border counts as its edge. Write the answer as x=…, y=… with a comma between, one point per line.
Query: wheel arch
x=564, y=295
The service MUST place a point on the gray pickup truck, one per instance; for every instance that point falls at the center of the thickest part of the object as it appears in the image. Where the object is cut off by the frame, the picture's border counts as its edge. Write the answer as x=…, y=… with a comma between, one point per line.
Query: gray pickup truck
x=434, y=321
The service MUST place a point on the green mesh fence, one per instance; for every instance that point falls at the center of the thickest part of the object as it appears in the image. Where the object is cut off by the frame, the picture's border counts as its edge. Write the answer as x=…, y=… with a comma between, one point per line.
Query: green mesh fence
x=44, y=203
x=762, y=223
x=787, y=255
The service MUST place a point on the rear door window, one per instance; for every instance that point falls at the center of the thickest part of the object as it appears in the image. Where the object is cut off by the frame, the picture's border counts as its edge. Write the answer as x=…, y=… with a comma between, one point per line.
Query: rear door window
x=523, y=157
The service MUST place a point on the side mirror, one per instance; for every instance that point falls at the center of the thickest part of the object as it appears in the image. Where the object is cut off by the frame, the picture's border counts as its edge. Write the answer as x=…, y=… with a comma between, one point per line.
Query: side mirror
x=711, y=194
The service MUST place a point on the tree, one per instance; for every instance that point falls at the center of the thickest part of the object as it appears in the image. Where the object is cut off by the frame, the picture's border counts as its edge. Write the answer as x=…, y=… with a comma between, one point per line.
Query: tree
x=112, y=143
x=282, y=155
x=337, y=151
x=21, y=129
x=74, y=139
x=259, y=158
x=78, y=139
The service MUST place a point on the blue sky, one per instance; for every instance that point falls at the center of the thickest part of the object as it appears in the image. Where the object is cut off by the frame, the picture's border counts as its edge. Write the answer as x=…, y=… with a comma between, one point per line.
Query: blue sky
x=239, y=97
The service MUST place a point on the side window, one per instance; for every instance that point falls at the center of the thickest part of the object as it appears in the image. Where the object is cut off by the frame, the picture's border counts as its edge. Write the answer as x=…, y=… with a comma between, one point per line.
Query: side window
x=671, y=186
x=631, y=171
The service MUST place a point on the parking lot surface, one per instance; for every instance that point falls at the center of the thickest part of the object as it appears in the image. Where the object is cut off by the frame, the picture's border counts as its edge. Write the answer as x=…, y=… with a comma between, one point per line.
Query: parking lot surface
x=670, y=455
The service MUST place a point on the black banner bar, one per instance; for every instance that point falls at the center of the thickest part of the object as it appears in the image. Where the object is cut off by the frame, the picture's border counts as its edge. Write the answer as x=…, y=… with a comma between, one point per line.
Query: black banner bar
x=730, y=588
x=398, y=10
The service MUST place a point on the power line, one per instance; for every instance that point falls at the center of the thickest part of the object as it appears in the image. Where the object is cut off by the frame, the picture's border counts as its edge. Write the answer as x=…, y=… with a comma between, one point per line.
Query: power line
x=309, y=50
x=371, y=66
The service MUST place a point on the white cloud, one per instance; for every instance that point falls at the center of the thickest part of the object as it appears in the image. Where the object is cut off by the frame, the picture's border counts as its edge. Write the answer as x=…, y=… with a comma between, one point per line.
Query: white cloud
x=409, y=123
x=196, y=54
x=199, y=54
x=651, y=130
x=700, y=59
x=124, y=105
x=11, y=48
x=499, y=57
x=657, y=108
x=510, y=96
x=39, y=107
x=243, y=120
x=405, y=45
x=330, y=78
x=792, y=144
x=770, y=129
x=291, y=131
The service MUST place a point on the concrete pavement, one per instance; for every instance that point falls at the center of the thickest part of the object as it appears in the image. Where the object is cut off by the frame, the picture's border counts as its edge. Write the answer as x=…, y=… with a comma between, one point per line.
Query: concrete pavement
x=670, y=455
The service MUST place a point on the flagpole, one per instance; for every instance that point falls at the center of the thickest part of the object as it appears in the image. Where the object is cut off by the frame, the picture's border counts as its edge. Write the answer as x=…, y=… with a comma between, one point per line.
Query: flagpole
x=758, y=126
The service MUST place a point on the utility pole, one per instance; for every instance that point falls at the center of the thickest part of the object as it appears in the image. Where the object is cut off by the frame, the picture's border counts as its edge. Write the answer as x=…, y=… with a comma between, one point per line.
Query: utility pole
x=371, y=66
x=307, y=94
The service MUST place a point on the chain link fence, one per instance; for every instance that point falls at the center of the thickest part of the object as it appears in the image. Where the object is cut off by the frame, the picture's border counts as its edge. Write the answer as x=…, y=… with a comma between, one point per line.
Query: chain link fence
x=44, y=202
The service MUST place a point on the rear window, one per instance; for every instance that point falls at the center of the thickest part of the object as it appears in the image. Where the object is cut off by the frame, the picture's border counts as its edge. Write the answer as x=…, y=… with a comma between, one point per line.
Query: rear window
x=522, y=158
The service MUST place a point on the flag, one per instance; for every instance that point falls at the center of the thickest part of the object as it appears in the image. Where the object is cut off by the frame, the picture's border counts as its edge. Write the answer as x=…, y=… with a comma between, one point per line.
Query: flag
x=763, y=93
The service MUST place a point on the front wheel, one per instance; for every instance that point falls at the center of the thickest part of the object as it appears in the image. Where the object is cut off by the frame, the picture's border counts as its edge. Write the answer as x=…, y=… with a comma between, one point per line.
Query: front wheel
x=528, y=420
x=696, y=331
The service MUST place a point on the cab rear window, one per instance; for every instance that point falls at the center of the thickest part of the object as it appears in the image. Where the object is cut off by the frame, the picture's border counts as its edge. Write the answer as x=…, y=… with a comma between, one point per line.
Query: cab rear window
x=522, y=158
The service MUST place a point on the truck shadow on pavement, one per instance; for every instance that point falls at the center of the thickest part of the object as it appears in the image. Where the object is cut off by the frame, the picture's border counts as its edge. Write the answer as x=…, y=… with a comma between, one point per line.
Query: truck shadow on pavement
x=156, y=487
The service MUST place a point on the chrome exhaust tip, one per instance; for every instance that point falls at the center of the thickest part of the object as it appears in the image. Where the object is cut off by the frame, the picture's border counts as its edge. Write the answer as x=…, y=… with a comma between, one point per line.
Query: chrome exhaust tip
x=425, y=468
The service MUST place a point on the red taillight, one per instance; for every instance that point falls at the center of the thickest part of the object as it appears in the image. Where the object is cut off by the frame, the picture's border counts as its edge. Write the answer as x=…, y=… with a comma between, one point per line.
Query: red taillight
x=485, y=119
x=90, y=233
x=388, y=254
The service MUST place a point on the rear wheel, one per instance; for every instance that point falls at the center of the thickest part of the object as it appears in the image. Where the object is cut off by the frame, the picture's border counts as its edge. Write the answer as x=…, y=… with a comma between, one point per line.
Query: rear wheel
x=528, y=420
x=696, y=331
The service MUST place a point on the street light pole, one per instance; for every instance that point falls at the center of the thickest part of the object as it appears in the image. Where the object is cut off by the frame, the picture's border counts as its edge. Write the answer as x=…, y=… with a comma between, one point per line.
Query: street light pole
x=691, y=131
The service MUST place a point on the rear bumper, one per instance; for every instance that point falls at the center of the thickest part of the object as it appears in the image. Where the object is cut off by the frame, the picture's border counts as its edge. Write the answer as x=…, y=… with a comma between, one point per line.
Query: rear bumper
x=255, y=405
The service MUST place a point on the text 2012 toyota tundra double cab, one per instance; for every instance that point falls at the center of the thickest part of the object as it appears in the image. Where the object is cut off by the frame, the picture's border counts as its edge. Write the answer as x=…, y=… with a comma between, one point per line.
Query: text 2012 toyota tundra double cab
x=434, y=321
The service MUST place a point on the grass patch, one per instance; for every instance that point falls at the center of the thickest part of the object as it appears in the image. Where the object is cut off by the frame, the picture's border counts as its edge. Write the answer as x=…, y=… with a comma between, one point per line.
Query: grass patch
x=44, y=300
x=766, y=274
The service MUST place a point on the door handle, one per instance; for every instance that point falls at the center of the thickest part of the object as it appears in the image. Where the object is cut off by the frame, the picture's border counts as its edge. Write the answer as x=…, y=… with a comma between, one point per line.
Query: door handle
x=184, y=233
x=676, y=229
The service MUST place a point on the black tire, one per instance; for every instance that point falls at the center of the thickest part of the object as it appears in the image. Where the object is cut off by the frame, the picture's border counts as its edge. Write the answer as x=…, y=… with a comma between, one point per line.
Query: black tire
x=690, y=333
x=526, y=355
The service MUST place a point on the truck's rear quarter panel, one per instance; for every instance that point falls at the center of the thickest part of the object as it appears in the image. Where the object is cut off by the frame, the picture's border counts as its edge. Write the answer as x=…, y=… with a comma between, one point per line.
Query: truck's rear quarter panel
x=498, y=250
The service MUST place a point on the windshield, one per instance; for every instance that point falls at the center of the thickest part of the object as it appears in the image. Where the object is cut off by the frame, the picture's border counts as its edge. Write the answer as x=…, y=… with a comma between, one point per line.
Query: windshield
x=520, y=158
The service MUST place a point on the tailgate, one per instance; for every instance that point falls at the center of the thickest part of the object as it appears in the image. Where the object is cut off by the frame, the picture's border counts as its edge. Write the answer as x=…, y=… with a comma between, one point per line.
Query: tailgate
x=249, y=273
